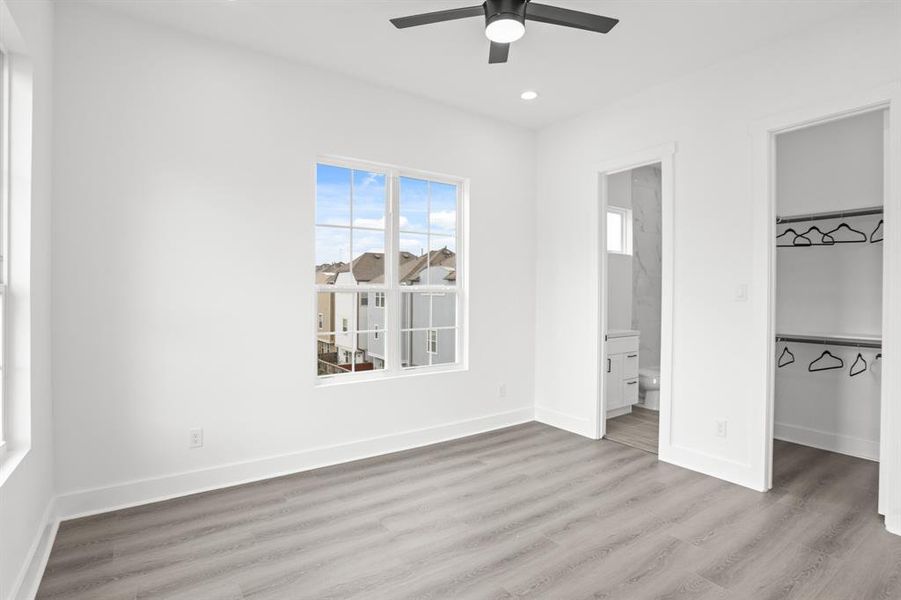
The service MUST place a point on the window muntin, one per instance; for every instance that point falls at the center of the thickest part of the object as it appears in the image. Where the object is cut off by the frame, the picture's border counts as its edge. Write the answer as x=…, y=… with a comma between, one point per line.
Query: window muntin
x=619, y=230
x=416, y=221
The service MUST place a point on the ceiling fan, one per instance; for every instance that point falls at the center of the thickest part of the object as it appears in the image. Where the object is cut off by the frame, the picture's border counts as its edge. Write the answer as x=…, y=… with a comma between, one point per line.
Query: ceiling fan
x=505, y=21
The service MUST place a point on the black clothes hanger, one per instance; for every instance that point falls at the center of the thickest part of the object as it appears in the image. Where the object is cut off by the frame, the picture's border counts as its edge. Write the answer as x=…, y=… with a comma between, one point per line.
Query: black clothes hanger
x=786, y=358
x=856, y=369
x=859, y=236
x=824, y=355
x=825, y=238
x=796, y=235
x=873, y=238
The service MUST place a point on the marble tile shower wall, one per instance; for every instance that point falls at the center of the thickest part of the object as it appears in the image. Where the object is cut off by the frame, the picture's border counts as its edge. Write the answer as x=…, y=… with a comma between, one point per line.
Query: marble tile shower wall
x=647, y=261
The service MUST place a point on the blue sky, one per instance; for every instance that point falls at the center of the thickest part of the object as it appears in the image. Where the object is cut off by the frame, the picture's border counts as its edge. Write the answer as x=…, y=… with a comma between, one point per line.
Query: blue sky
x=333, y=207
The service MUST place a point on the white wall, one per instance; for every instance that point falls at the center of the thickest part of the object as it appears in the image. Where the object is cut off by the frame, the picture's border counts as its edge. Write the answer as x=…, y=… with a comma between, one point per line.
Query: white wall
x=619, y=276
x=26, y=491
x=709, y=115
x=830, y=290
x=183, y=221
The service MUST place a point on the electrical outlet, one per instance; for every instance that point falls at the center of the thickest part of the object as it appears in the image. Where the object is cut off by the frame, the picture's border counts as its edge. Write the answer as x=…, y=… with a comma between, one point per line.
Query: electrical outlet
x=721, y=428
x=502, y=390
x=741, y=293
x=196, y=438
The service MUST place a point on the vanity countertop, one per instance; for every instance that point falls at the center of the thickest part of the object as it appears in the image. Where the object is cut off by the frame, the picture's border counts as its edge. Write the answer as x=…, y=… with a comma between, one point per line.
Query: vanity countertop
x=621, y=333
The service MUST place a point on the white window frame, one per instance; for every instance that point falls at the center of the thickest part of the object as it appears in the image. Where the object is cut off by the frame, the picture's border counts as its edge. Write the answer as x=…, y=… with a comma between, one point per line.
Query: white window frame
x=392, y=290
x=5, y=176
x=625, y=215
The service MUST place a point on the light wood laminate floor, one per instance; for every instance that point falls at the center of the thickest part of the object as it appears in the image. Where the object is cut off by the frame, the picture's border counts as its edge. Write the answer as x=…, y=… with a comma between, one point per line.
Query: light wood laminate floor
x=639, y=429
x=528, y=511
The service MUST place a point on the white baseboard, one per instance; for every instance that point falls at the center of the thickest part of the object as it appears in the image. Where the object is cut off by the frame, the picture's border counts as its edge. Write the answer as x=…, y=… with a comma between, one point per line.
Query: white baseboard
x=825, y=440
x=133, y=493
x=564, y=421
x=714, y=466
x=26, y=585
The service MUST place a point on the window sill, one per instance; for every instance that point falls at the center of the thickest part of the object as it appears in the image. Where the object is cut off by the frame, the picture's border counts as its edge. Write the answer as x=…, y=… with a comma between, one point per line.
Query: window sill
x=349, y=379
x=9, y=461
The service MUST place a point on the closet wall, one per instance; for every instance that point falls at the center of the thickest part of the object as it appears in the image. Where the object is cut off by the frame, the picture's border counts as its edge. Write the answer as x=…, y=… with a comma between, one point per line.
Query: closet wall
x=830, y=290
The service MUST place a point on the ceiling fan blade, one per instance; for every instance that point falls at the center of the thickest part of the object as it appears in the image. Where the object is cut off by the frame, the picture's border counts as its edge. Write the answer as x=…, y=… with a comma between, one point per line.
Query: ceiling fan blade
x=569, y=18
x=498, y=53
x=439, y=16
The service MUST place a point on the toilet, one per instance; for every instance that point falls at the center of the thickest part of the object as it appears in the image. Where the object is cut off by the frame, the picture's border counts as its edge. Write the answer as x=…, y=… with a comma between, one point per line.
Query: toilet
x=649, y=387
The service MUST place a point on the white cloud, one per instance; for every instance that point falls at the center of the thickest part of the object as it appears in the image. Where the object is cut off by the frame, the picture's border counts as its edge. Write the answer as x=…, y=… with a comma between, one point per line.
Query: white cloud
x=444, y=221
x=371, y=223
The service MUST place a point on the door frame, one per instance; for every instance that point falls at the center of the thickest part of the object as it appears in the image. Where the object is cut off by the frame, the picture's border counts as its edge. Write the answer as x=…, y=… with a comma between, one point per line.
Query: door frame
x=665, y=156
x=763, y=134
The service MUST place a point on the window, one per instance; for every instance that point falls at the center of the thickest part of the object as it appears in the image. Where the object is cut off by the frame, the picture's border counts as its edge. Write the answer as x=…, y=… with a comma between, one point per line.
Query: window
x=391, y=236
x=619, y=230
x=321, y=321
x=5, y=83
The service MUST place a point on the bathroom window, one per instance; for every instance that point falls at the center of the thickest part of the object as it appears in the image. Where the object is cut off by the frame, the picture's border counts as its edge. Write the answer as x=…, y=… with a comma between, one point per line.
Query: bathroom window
x=619, y=230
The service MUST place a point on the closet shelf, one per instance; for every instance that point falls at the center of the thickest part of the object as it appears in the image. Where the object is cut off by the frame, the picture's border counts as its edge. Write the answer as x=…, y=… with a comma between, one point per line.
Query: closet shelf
x=862, y=341
x=835, y=214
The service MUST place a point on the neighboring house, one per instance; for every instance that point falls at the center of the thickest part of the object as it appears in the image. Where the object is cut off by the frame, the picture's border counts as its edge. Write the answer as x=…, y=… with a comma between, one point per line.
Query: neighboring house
x=417, y=346
x=368, y=350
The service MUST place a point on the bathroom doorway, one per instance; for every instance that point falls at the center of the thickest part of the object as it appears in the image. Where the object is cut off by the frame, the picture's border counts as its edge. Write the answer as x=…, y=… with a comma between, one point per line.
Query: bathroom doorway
x=634, y=261
x=635, y=300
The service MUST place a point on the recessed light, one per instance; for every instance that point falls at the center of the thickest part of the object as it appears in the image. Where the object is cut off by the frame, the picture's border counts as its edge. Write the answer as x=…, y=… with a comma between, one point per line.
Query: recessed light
x=529, y=95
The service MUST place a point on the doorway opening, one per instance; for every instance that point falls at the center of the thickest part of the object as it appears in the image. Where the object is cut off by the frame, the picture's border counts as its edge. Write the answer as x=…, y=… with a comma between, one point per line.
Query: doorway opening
x=634, y=271
x=634, y=312
x=827, y=394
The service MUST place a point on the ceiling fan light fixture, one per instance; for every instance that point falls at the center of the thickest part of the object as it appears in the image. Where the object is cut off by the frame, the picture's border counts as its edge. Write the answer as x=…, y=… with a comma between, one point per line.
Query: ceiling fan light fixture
x=504, y=29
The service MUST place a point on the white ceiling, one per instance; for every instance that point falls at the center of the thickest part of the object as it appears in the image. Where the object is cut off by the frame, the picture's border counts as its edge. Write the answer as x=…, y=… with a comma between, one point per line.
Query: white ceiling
x=573, y=70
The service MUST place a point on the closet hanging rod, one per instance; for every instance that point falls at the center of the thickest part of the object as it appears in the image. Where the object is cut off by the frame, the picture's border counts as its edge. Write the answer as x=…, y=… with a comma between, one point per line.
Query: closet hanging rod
x=835, y=214
x=831, y=341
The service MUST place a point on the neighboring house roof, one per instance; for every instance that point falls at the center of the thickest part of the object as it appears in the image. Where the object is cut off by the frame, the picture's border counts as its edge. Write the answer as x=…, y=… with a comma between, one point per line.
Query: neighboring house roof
x=369, y=267
x=325, y=278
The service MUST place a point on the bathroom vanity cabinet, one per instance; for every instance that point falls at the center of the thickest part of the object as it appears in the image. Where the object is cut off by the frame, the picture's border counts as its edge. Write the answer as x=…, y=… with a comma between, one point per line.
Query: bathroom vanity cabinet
x=621, y=371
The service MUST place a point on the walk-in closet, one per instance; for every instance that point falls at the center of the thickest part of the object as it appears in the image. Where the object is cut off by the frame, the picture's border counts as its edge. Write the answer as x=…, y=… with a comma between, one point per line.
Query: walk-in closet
x=829, y=285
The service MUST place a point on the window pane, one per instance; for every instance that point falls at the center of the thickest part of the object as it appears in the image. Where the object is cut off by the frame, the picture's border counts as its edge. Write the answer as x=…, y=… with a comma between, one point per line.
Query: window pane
x=369, y=256
x=414, y=310
x=414, y=205
x=332, y=195
x=332, y=253
x=614, y=232
x=444, y=310
x=413, y=349
x=369, y=199
x=370, y=352
x=327, y=361
x=447, y=347
x=443, y=208
x=413, y=258
x=370, y=311
x=442, y=261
